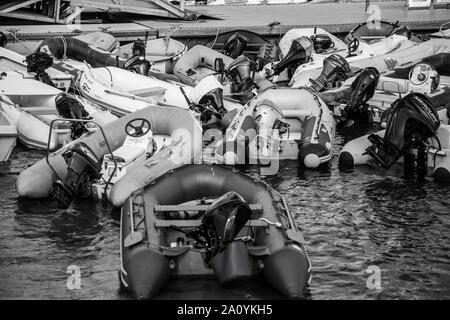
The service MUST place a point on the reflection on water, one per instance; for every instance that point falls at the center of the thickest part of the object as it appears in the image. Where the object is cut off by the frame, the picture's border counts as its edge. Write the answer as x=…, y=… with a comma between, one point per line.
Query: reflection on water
x=351, y=219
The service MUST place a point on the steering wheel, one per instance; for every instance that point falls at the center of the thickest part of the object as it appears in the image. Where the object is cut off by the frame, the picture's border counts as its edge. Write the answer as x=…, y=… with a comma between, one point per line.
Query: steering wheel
x=137, y=127
x=353, y=45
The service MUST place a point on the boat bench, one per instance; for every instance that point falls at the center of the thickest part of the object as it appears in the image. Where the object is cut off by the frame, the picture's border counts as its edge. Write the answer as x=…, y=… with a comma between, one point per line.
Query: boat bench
x=148, y=92
x=161, y=223
x=41, y=111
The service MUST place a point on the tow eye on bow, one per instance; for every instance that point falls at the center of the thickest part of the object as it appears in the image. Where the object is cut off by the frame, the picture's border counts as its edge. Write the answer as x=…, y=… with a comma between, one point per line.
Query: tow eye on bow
x=411, y=122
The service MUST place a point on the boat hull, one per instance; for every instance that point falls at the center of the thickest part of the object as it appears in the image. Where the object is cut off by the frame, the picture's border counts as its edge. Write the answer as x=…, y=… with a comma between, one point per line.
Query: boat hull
x=276, y=253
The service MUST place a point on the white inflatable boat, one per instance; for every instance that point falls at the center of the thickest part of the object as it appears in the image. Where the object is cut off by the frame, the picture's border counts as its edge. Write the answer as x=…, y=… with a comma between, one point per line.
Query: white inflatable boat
x=33, y=106
x=415, y=136
x=123, y=91
x=407, y=53
x=8, y=132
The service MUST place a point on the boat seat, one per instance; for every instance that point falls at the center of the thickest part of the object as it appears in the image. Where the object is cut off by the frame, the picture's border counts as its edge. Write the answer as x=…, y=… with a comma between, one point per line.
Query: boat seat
x=126, y=154
x=148, y=92
x=40, y=111
x=199, y=207
x=160, y=223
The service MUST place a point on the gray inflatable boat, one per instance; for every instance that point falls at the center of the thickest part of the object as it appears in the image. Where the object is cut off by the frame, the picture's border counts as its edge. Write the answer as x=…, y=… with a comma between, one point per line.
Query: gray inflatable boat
x=209, y=220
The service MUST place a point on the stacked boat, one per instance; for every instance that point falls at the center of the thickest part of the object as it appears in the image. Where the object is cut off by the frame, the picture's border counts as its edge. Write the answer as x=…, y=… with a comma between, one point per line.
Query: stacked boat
x=154, y=129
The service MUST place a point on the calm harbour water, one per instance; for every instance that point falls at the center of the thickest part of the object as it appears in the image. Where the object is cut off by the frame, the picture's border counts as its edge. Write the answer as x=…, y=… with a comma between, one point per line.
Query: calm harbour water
x=351, y=220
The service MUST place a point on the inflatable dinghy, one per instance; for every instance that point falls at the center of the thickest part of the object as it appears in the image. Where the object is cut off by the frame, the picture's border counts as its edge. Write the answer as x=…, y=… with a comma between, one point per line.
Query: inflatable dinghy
x=162, y=53
x=197, y=63
x=373, y=31
x=32, y=132
x=242, y=42
x=281, y=123
x=8, y=132
x=97, y=39
x=71, y=171
x=123, y=91
x=14, y=65
x=206, y=220
x=308, y=47
x=391, y=86
x=414, y=136
x=70, y=54
x=34, y=105
x=406, y=54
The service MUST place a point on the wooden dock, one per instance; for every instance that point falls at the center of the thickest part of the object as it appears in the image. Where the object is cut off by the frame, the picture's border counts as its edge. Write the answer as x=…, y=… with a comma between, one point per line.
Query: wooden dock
x=333, y=17
x=121, y=31
x=66, y=11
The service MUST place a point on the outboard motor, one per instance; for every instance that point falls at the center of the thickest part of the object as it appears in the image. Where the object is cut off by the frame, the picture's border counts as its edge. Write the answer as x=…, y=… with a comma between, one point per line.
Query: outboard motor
x=38, y=62
x=235, y=45
x=267, y=53
x=335, y=70
x=299, y=53
x=207, y=98
x=70, y=108
x=322, y=42
x=240, y=74
x=3, y=40
x=271, y=125
x=412, y=121
x=137, y=62
x=82, y=167
x=221, y=223
x=362, y=90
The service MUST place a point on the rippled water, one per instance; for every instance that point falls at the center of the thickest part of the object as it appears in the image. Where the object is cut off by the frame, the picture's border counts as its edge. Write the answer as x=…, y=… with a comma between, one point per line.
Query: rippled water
x=351, y=220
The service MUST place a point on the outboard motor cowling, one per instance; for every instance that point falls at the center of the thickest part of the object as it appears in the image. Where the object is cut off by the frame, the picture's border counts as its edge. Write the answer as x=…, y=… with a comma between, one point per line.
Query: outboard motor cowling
x=240, y=74
x=299, y=53
x=137, y=62
x=69, y=108
x=412, y=121
x=38, y=62
x=335, y=69
x=207, y=97
x=363, y=88
x=322, y=42
x=271, y=125
x=3, y=40
x=222, y=222
x=225, y=217
x=235, y=45
x=82, y=166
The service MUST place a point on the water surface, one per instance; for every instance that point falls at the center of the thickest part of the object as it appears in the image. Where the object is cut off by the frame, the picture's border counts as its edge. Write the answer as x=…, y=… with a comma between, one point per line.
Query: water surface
x=351, y=220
